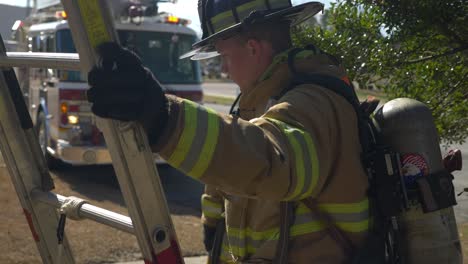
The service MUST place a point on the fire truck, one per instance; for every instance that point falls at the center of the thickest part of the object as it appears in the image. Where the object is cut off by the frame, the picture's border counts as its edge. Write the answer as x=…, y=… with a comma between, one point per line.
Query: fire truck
x=57, y=98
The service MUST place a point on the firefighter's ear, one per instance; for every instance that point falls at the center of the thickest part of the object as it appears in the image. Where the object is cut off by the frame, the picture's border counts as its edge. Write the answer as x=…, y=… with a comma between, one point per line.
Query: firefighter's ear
x=259, y=48
x=253, y=47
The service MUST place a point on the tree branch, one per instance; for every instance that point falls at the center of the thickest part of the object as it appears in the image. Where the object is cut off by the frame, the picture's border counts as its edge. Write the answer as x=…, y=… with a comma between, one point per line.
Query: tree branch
x=450, y=52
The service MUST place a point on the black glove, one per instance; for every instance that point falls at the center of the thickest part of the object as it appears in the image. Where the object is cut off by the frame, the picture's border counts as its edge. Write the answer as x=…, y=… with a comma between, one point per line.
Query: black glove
x=209, y=233
x=121, y=88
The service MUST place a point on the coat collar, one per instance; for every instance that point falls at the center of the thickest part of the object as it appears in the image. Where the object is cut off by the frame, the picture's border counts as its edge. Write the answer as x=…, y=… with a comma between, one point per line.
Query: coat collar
x=277, y=77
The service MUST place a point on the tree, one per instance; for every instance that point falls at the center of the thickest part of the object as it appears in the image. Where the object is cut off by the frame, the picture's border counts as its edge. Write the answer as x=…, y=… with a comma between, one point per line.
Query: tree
x=419, y=47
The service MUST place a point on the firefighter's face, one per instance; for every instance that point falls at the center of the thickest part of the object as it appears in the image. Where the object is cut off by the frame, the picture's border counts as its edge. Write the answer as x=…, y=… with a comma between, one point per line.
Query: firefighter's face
x=244, y=60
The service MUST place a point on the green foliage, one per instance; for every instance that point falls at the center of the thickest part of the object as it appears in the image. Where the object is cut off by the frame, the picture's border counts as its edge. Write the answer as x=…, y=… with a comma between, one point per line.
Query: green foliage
x=409, y=48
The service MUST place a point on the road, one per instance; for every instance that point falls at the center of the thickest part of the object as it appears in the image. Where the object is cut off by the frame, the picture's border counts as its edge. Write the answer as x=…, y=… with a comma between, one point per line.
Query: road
x=226, y=89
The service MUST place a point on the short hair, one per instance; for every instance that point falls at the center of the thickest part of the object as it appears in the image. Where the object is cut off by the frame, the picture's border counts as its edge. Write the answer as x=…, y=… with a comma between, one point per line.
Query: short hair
x=276, y=32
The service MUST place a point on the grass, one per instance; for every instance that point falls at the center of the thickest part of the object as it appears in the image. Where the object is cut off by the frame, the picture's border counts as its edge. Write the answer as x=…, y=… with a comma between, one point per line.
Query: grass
x=222, y=100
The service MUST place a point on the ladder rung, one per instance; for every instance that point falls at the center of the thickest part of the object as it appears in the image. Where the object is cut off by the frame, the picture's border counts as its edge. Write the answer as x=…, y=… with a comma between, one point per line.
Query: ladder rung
x=97, y=214
x=66, y=61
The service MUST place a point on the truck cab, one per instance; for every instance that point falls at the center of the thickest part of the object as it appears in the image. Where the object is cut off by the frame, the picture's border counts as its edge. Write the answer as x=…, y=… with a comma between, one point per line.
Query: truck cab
x=57, y=98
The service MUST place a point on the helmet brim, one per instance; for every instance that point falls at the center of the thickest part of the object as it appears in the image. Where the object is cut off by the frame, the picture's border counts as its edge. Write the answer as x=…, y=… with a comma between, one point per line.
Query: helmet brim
x=204, y=49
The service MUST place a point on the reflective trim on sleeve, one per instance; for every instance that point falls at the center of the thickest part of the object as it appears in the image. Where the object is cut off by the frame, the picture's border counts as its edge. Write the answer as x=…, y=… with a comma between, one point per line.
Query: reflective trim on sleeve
x=199, y=138
x=349, y=217
x=211, y=209
x=246, y=241
x=305, y=160
x=188, y=134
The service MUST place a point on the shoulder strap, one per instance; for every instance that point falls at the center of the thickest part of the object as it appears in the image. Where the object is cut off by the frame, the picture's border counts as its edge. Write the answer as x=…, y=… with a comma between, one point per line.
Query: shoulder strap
x=341, y=88
x=330, y=226
x=286, y=220
x=337, y=86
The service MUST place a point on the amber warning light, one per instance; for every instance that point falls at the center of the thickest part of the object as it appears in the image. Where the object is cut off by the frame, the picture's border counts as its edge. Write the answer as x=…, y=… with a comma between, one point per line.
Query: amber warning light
x=61, y=14
x=173, y=19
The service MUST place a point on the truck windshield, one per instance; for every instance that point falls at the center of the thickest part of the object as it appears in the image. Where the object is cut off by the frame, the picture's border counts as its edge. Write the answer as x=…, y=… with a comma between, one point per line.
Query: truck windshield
x=159, y=52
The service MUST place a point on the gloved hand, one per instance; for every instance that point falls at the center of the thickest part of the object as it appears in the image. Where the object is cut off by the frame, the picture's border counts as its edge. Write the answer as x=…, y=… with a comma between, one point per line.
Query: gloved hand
x=209, y=233
x=121, y=88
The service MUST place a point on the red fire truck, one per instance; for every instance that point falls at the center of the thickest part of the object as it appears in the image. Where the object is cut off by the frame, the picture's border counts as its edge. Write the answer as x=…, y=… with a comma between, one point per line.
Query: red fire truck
x=56, y=98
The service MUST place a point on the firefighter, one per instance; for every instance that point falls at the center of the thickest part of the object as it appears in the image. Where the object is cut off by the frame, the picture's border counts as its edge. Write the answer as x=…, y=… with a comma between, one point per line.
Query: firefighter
x=287, y=164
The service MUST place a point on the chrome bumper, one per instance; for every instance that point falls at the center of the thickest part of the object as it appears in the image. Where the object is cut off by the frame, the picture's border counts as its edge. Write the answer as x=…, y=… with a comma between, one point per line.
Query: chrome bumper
x=85, y=155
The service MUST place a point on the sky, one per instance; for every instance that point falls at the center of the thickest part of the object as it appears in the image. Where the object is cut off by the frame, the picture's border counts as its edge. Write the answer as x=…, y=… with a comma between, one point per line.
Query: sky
x=183, y=8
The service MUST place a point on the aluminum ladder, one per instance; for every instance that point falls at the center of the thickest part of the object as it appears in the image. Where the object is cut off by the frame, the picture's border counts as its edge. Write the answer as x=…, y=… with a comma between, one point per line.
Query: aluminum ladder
x=91, y=23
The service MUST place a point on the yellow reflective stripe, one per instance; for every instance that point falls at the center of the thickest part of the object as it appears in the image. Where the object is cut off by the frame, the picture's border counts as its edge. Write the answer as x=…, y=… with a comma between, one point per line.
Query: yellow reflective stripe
x=221, y=16
x=209, y=203
x=240, y=251
x=244, y=10
x=208, y=149
x=299, y=160
x=350, y=217
x=307, y=228
x=197, y=144
x=211, y=209
x=346, y=207
x=269, y=234
x=93, y=22
x=337, y=207
x=354, y=227
x=188, y=134
x=223, y=20
x=305, y=184
x=315, y=165
x=212, y=214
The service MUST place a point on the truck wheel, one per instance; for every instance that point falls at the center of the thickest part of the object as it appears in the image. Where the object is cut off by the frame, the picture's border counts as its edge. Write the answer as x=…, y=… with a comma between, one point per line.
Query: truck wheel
x=42, y=135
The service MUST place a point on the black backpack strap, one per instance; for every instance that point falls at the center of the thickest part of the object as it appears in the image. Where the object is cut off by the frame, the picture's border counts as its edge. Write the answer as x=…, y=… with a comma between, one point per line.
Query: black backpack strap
x=286, y=220
x=345, y=90
x=333, y=230
x=336, y=85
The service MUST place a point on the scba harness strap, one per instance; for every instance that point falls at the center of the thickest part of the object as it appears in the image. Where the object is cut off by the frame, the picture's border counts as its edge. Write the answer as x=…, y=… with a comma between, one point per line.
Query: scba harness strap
x=388, y=194
x=374, y=248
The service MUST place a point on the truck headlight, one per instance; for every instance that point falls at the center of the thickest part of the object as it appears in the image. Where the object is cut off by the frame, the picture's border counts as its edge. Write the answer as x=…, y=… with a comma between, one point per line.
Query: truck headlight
x=73, y=119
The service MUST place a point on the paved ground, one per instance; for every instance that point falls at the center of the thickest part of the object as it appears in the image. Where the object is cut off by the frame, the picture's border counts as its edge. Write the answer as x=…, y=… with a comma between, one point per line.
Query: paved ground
x=226, y=89
x=189, y=260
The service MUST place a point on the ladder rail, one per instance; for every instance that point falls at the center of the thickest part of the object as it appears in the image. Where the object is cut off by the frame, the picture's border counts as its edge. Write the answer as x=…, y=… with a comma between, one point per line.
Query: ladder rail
x=51, y=60
x=27, y=167
x=91, y=23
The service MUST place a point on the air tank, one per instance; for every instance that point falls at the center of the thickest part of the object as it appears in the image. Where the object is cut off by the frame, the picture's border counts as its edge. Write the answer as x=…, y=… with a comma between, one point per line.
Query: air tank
x=407, y=126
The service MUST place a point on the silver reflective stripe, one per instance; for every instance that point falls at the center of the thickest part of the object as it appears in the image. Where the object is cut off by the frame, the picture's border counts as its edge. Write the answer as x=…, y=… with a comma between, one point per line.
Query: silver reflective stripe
x=226, y=19
x=307, y=162
x=304, y=159
x=337, y=217
x=197, y=145
x=223, y=20
x=213, y=210
x=244, y=10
